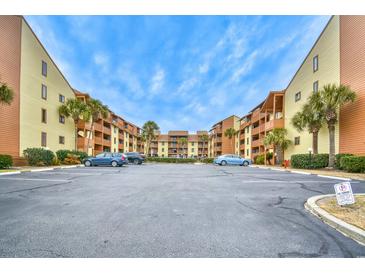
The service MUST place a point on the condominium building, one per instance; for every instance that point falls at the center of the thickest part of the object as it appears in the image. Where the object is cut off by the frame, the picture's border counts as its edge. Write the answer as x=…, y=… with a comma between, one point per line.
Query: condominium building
x=338, y=56
x=112, y=134
x=40, y=88
x=32, y=119
x=219, y=143
x=180, y=143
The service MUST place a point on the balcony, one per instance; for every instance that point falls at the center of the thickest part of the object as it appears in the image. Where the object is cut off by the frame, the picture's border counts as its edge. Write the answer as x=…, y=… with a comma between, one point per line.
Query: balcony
x=218, y=139
x=84, y=125
x=276, y=123
x=98, y=127
x=262, y=127
x=242, y=146
x=120, y=146
x=107, y=130
x=106, y=142
x=98, y=140
x=257, y=143
x=255, y=130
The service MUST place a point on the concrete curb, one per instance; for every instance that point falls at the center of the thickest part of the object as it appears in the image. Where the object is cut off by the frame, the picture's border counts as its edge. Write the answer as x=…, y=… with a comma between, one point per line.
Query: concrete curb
x=303, y=173
x=9, y=173
x=346, y=229
x=40, y=169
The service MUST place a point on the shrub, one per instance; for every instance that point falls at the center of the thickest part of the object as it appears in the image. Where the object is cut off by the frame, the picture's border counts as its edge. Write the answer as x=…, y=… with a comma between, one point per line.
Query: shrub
x=72, y=159
x=304, y=161
x=338, y=159
x=62, y=154
x=353, y=163
x=259, y=159
x=39, y=156
x=6, y=161
x=207, y=160
x=171, y=160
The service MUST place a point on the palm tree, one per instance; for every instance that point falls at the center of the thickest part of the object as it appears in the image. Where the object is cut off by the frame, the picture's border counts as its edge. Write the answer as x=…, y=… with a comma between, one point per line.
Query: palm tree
x=97, y=111
x=183, y=142
x=204, y=138
x=6, y=94
x=77, y=110
x=230, y=133
x=148, y=133
x=277, y=138
x=311, y=120
x=328, y=102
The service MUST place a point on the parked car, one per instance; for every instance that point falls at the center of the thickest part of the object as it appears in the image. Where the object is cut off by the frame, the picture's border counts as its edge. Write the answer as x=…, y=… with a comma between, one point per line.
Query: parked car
x=134, y=157
x=106, y=159
x=231, y=159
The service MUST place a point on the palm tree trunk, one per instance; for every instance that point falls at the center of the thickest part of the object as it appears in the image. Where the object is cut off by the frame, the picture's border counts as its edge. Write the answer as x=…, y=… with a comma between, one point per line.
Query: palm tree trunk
x=88, y=139
x=76, y=136
x=279, y=155
x=332, y=148
x=315, y=142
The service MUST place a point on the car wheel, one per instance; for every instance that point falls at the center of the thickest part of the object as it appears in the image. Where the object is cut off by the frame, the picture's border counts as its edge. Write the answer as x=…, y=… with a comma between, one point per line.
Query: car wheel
x=87, y=163
x=114, y=164
x=140, y=162
x=136, y=161
x=245, y=163
x=223, y=163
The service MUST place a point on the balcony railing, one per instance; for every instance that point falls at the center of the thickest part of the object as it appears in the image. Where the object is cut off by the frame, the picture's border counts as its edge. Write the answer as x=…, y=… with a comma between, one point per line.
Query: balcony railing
x=257, y=143
x=275, y=123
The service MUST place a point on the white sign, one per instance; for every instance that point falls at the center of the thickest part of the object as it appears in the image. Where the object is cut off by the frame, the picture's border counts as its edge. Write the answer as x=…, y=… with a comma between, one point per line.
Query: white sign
x=344, y=194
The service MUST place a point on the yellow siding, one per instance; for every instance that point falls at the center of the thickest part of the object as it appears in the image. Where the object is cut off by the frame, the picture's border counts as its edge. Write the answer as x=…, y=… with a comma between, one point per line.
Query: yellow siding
x=192, y=149
x=115, y=136
x=237, y=123
x=162, y=149
x=31, y=102
x=328, y=50
x=126, y=142
x=248, y=146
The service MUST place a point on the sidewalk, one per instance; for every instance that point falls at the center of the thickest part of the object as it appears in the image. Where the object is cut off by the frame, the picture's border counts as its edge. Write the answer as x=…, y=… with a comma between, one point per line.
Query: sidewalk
x=18, y=170
x=320, y=172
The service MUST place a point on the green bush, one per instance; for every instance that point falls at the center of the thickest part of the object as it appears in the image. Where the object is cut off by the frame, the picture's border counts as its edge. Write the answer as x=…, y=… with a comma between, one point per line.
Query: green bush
x=259, y=159
x=207, y=160
x=72, y=159
x=39, y=156
x=62, y=154
x=338, y=159
x=171, y=160
x=353, y=163
x=6, y=161
x=305, y=161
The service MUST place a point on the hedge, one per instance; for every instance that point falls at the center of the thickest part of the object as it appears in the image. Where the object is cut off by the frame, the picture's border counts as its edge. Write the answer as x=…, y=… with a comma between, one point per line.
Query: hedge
x=259, y=159
x=353, y=163
x=63, y=153
x=338, y=159
x=178, y=160
x=6, y=161
x=39, y=156
x=304, y=161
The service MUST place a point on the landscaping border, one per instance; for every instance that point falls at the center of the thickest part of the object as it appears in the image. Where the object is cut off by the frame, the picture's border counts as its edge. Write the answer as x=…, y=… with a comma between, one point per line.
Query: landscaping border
x=38, y=169
x=348, y=230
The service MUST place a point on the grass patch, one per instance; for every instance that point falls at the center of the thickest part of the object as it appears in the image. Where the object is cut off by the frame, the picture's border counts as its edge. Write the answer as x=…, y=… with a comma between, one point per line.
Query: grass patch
x=352, y=214
x=7, y=170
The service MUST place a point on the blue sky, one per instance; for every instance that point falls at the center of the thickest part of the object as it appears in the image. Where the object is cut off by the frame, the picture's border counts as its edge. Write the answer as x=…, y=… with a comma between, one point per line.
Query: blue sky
x=184, y=72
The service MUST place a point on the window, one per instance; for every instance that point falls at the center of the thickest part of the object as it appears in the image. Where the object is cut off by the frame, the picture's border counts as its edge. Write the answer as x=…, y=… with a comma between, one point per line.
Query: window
x=61, y=119
x=163, y=155
x=192, y=143
x=101, y=155
x=44, y=116
x=163, y=149
x=192, y=149
x=44, y=68
x=44, y=92
x=297, y=140
x=61, y=98
x=115, y=130
x=248, y=141
x=247, y=129
x=315, y=63
x=115, y=141
x=163, y=143
x=248, y=152
x=315, y=86
x=298, y=96
x=61, y=140
x=44, y=139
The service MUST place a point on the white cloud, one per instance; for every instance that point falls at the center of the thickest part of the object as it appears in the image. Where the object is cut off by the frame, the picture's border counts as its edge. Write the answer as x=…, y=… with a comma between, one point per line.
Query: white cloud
x=157, y=81
x=131, y=81
x=187, y=85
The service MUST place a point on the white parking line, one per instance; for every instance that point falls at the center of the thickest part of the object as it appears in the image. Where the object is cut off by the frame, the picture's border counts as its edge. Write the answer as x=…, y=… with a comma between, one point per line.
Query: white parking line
x=334, y=177
x=278, y=169
x=29, y=179
x=42, y=169
x=300, y=172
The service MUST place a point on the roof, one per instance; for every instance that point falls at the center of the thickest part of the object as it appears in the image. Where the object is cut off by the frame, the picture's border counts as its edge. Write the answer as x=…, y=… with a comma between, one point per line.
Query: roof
x=232, y=116
x=178, y=132
x=270, y=96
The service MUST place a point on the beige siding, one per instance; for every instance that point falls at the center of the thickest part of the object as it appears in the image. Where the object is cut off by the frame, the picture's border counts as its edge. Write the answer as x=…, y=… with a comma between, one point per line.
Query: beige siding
x=31, y=103
x=328, y=50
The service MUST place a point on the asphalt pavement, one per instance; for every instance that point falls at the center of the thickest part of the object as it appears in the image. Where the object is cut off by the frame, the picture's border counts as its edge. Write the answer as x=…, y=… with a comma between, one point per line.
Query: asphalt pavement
x=167, y=210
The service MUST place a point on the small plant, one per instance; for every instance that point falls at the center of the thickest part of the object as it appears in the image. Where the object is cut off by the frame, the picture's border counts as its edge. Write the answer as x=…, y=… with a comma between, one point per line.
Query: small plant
x=338, y=159
x=71, y=159
x=39, y=156
x=259, y=159
x=6, y=161
x=309, y=161
x=62, y=154
x=353, y=163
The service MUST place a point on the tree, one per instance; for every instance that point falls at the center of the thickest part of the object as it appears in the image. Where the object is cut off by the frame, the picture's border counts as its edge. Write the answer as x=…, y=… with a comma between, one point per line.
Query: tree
x=97, y=110
x=148, y=133
x=183, y=142
x=230, y=133
x=277, y=138
x=6, y=94
x=328, y=102
x=77, y=110
x=311, y=120
x=204, y=139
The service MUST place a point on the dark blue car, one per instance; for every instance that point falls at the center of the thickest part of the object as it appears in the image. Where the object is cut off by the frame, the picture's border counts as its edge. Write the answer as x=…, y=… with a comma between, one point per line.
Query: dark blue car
x=106, y=159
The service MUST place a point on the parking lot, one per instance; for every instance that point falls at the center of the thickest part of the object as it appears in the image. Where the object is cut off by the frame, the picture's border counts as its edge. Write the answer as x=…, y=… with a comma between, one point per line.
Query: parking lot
x=166, y=210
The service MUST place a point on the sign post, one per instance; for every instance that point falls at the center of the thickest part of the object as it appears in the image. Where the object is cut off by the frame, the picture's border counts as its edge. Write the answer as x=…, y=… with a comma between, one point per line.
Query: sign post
x=344, y=193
